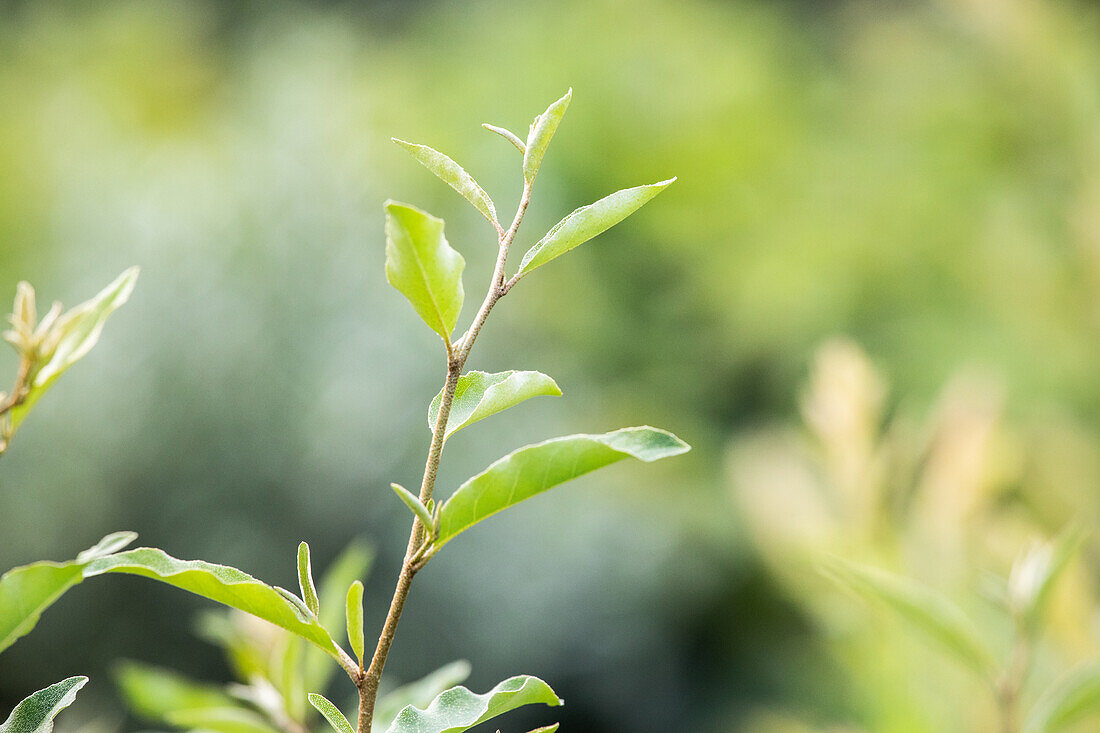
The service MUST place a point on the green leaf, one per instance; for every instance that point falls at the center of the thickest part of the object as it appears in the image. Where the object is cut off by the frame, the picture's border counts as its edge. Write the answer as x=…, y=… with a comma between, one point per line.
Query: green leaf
x=355, y=620
x=587, y=222
x=420, y=693
x=75, y=333
x=35, y=714
x=454, y=176
x=305, y=580
x=507, y=135
x=458, y=709
x=332, y=713
x=27, y=591
x=220, y=720
x=538, y=139
x=413, y=503
x=546, y=729
x=479, y=395
x=922, y=607
x=1034, y=575
x=219, y=583
x=423, y=267
x=1068, y=700
x=350, y=565
x=536, y=468
x=153, y=692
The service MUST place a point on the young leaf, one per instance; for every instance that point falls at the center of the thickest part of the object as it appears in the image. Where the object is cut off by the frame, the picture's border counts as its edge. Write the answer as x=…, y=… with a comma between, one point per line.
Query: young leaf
x=1033, y=576
x=420, y=693
x=458, y=709
x=220, y=720
x=423, y=267
x=922, y=607
x=587, y=222
x=153, y=693
x=1068, y=700
x=413, y=503
x=538, y=139
x=350, y=565
x=27, y=591
x=35, y=714
x=546, y=729
x=479, y=395
x=305, y=579
x=536, y=468
x=355, y=620
x=332, y=713
x=507, y=135
x=219, y=583
x=454, y=176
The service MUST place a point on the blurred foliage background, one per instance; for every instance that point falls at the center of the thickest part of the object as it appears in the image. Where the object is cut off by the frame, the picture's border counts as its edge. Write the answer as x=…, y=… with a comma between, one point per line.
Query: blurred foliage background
x=907, y=190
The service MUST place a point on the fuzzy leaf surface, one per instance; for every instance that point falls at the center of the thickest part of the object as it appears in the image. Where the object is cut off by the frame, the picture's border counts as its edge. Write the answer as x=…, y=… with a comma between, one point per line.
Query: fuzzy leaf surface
x=220, y=583
x=1067, y=701
x=536, y=468
x=454, y=176
x=479, y=395
x=458, y=709
x=541, y=132
x=420, y=693
x=332, y=713
x=423, y=267
x=35, y=714
x=352, y=564
x=587, y=222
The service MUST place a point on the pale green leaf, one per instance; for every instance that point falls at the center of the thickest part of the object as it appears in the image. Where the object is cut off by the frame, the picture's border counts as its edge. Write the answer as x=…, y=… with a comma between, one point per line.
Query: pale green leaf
x=920, y=606
x=546, y=729
x=588, y=222
x=507, y=135
x=410, y=500
x=35, y=714
x=479, y=395
x=1047, y=567
x=1073, y=697
x=153, y=692
x=350, y=565
x=538, y=138
x=220, y=720
x=354, y=615
x=420, y=693
x=458, y=709
x=536, y=468
x=454, y=176
x=332, y=713
x=423, y=267
x=305, y=579
x=27, y=591
x=219, y=583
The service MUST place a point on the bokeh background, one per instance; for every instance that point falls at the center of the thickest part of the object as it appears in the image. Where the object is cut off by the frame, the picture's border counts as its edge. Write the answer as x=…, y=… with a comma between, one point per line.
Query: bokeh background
x=870, y=303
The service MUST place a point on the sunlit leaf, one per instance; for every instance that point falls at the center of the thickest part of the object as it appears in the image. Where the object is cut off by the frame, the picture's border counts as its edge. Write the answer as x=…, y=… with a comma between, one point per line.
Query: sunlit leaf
x=538, y=139
x=219, y=583
x=458, y=709
x=454, y=176
x=420, y=693
x=1067, y=701
x=305, y=579
x=353, y=564
x=1036, y=572
x=507, y=135
x=423, y=267
x=536, y=468
x=922, y=607
x=332, y=713
x=153, y=692
x=109, y=545
x=220, y=720
x=546, y=729
x=587, y=222
x=354, y=615
x=479, y=395
x=35, y=714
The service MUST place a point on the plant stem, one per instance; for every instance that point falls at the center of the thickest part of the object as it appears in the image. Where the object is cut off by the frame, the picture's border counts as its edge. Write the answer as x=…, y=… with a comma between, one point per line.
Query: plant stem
x=368, y=681
x=1011, y=683
x=18, y=395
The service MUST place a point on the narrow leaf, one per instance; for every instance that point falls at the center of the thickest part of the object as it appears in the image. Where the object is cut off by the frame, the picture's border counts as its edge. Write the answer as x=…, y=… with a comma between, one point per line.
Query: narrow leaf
x=109, y=545
x=420, y=693
x=413, y=503
x=546, y=729
x=458, y=709
x=352, y=564
x=587, y=222
x=536, y=468
x=332, y=713
x=507, y=135
x=538, y=139
x=454, y=176
x=305, y=579
x=1068, y=700
x=153, y=692
x=220, y=720
x=35, y=714
x=922, y=607
x=423, y=267
x=479, y=395
x=355, y=620
x=219, y=583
